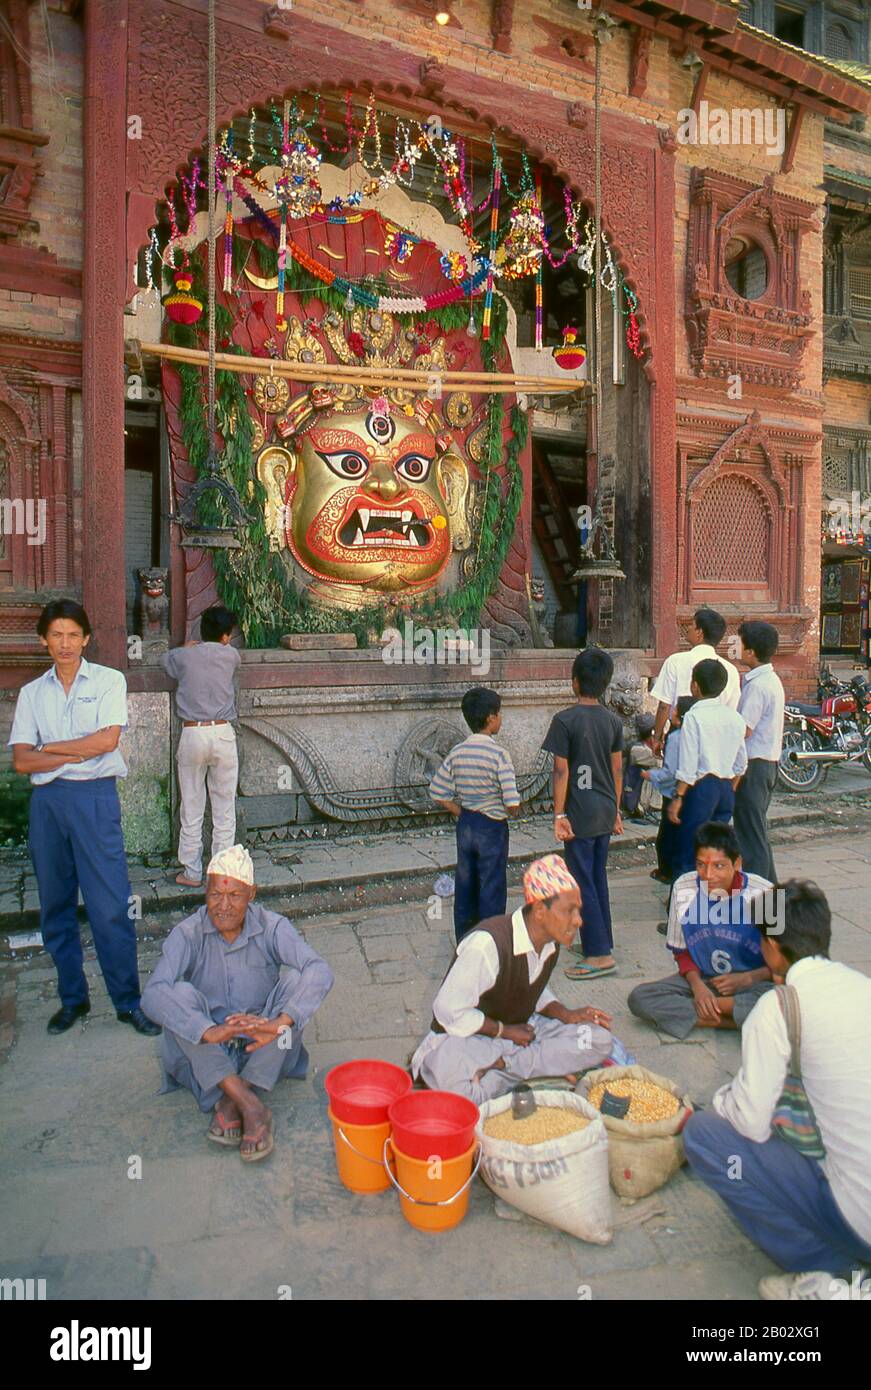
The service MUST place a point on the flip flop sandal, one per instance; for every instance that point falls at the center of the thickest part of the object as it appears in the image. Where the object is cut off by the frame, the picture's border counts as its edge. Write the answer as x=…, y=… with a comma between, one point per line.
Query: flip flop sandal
x=256, y=1156
x=225, y=1137
x=588, y=972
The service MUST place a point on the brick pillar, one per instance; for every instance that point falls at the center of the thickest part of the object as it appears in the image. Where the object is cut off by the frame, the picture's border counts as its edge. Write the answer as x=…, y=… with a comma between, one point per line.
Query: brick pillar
x=105, y=139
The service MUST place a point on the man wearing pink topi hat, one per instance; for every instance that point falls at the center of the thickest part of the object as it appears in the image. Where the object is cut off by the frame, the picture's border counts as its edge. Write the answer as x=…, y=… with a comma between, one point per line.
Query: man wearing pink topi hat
x=495, y=1021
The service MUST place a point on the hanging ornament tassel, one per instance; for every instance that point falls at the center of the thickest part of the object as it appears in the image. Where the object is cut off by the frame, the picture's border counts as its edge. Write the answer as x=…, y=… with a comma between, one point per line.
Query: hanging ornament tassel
x=494, y=232
x=539, y=277
x=633, y=332
x=228, y=239
x=280, y=320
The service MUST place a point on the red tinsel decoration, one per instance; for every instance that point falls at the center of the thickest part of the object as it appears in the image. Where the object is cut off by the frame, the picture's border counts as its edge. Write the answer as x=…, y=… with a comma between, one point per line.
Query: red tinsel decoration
x=633, y=337
x=356, y=344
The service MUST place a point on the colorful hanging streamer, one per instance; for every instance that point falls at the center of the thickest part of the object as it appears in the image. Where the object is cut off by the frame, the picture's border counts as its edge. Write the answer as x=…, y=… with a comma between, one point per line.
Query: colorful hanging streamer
x=494, y=235
x=539, y=276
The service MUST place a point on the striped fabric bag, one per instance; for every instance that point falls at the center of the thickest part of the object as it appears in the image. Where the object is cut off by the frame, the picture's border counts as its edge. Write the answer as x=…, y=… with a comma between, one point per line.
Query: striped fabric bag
x=794, y=1118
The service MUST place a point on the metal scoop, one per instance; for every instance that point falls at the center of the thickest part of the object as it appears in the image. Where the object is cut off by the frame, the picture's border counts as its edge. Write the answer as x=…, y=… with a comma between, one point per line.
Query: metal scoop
x=523, y=1102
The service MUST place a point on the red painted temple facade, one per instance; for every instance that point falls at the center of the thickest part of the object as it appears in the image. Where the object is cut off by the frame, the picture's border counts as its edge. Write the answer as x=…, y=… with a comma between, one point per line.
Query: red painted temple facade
x=734, y=481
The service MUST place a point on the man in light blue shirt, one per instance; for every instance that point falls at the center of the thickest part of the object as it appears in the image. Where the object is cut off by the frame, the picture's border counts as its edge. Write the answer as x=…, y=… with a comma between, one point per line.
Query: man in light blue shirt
x=712, y=758
x=761, y=708
x=65, y=736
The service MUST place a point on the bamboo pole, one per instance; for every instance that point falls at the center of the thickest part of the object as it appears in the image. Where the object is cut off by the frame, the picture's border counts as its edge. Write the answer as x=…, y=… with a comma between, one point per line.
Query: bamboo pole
x=474, y=382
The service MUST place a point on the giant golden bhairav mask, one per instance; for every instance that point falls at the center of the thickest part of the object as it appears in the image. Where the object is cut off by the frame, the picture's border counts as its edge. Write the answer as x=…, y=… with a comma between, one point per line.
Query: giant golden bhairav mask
x=366, y=490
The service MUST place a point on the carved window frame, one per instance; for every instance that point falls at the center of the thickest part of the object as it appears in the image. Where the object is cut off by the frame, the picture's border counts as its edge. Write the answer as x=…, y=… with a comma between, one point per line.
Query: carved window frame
x=747, y=452
x=762, y=339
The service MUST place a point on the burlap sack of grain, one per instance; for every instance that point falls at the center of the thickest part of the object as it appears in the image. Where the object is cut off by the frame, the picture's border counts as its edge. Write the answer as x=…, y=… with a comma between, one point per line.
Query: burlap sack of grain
x=563, y=1182
x=641, y=1157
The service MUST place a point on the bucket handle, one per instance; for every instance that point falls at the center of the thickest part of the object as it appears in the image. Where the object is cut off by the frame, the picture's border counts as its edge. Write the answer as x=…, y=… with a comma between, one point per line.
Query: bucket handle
x=368, y=1157
x=418, y=1201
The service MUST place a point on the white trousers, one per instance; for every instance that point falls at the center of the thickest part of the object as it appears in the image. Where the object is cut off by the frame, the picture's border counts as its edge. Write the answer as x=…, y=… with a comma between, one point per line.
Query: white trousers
x=452, y=1063
x=206, y=755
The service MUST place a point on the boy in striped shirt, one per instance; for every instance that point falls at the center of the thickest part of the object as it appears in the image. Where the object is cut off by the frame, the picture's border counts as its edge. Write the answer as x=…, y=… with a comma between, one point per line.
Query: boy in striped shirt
x=476, y=784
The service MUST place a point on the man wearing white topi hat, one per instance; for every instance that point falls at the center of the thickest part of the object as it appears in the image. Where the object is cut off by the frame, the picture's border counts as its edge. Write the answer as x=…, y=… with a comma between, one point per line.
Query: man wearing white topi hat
x=233, y=1023
x=495, y=1020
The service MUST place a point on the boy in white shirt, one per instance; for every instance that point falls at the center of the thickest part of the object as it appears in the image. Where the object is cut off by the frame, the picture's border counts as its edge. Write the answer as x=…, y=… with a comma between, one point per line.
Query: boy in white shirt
x=761, y=708
x=712, y=758
x=675, y=675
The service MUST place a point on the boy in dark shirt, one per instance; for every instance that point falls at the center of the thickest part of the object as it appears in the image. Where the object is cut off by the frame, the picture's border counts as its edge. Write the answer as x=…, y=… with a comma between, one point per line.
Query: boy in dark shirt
x=206, y=705
x=587, y=744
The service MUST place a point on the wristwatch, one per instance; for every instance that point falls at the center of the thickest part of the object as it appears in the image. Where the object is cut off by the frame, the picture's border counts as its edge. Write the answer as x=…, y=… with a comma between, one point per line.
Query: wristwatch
x=560, y=815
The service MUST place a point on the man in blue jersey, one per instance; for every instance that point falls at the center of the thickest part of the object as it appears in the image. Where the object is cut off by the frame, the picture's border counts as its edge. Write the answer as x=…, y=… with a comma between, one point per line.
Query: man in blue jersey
x=714, y=936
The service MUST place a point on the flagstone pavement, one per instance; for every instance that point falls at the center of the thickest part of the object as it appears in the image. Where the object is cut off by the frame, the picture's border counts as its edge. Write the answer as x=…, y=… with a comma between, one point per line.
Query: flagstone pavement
x=80, y=1109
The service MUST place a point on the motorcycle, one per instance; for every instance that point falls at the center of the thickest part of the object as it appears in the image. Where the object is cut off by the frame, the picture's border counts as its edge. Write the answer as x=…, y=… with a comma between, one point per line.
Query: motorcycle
x=836, y=730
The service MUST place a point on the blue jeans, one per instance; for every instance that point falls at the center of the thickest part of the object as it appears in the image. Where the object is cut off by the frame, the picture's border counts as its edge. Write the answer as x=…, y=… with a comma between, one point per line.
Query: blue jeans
x=782, y=1200
x=712, y=798
x=587, y=861
x=76, y=842
x=481, y=880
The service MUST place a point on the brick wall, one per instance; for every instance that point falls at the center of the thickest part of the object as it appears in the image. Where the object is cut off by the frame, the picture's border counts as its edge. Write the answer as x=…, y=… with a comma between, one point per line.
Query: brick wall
x=848, y=403
x=57, y=201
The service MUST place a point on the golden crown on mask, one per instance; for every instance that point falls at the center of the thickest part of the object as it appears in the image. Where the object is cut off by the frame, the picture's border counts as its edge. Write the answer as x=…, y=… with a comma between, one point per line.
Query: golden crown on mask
x=303, y=511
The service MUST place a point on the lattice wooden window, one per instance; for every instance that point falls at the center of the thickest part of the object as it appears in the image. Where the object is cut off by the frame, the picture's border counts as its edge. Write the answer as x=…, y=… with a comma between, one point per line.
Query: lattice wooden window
x=860, y=290
x=839, y=42
x=731, y=539
x=836, y=467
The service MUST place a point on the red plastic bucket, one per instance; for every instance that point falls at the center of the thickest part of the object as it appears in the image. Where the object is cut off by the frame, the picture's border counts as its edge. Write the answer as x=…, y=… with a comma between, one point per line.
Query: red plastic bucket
x=361, y=1092
x=433, y=1124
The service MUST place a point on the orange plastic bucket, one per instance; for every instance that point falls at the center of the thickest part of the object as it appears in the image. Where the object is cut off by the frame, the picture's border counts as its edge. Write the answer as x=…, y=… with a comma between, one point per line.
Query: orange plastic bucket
x=433, y=1192
x=360, y=1155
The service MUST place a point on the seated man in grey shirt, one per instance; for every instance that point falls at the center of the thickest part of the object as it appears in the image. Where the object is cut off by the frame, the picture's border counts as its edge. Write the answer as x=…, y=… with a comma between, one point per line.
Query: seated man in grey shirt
x=233, y=1022
x=206, y=705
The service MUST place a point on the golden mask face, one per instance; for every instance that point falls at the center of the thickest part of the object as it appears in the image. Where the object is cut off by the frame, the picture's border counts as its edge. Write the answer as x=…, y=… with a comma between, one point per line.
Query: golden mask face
x=372, y=503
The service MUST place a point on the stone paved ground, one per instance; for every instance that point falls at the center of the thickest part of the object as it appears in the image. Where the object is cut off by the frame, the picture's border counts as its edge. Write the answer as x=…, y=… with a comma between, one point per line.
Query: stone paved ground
x=355, y=867
x=199, y=1224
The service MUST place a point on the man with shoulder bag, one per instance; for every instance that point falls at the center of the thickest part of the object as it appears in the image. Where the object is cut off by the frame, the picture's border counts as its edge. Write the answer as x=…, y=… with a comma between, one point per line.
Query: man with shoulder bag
x=788, y=1143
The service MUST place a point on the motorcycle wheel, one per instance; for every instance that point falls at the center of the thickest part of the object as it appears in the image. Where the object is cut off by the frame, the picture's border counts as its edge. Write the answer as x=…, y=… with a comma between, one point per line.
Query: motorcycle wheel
x=799, y=777
x=866, y=755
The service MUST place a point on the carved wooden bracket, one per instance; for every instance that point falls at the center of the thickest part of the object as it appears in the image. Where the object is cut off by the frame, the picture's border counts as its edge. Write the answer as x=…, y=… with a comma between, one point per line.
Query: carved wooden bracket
x=580, y=117
x=432, y=74
x=565, y=46
x=18, y=174
x=501, y=21
x=639, y=62
x=276, y=23
x=762, y=339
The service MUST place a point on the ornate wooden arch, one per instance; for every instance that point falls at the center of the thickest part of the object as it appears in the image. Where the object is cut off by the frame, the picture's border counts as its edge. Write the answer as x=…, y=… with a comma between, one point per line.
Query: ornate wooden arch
x=169, y=83
x=20, y=434
x=751, y=433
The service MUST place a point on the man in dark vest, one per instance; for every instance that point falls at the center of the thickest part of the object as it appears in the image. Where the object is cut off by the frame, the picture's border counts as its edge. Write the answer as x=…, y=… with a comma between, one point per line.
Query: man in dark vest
x=495, y=1021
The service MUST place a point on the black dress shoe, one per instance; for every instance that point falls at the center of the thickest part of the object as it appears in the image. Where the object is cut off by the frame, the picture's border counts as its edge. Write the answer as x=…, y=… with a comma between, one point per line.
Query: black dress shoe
x=138, y=1020
x=66, y=1017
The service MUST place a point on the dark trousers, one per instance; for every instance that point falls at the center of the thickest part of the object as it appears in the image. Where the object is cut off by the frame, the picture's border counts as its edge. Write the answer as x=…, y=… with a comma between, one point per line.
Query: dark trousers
x=665, y=841
x=751, y=817
x=712, y=798
x=481, y=880
x=587, y=861
x=780, y=1199
x=76, y=843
